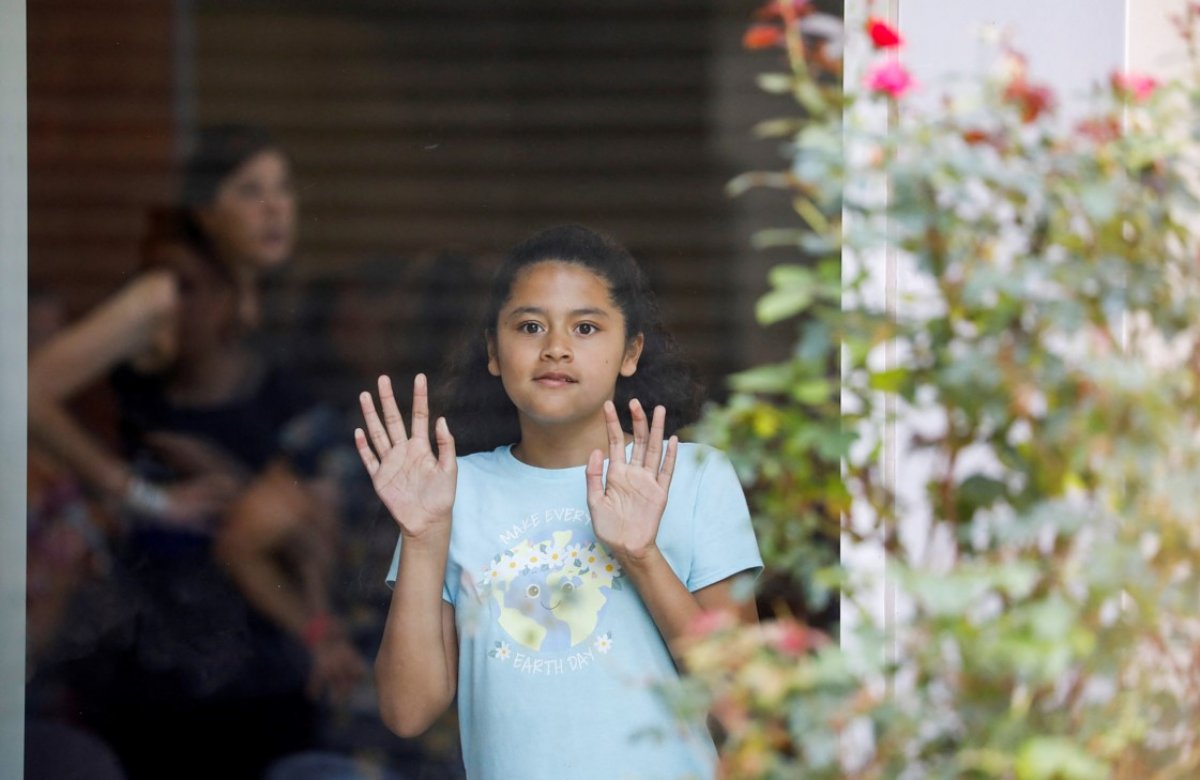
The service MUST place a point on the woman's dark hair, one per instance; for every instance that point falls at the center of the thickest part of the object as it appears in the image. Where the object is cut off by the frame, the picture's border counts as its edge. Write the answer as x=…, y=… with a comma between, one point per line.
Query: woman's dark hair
x=479, y=411
x=219, y=151
x=177, y=226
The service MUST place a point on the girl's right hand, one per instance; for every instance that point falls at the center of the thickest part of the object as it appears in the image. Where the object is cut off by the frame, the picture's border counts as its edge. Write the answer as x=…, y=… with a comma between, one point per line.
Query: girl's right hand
x=416, y=486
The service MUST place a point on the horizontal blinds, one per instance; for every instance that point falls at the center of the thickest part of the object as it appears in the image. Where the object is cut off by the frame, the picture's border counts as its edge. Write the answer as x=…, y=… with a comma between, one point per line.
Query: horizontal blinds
x=101, y=138
x=422, y=127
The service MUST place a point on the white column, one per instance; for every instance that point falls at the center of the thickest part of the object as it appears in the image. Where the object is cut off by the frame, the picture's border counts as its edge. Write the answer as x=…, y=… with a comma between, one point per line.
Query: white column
x=13, y=361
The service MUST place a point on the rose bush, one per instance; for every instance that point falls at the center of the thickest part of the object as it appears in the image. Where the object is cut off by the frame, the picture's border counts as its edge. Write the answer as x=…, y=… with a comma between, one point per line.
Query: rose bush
x=1042, y=364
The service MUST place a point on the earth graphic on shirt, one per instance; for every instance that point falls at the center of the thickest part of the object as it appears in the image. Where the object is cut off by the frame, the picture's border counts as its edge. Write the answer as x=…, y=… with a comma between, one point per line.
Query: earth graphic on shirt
x=549, y=594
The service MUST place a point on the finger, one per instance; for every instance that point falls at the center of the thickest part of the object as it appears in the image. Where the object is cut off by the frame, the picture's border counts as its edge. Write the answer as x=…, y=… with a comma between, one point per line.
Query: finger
x=616, y=437
x=364, y=451
x=668, y=466
x=420, y=410
x=379, y=437
x=654, y=448
x=595, y=477
x=445, y=443
x=640, y=433
x=391, y=412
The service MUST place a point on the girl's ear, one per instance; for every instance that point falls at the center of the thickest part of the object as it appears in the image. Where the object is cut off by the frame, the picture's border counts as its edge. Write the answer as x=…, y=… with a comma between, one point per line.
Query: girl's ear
x=493, y=361
x=633, y=352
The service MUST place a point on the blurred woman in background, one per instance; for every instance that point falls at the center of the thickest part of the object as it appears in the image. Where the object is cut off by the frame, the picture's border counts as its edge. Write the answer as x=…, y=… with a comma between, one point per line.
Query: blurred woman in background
x=205, y=653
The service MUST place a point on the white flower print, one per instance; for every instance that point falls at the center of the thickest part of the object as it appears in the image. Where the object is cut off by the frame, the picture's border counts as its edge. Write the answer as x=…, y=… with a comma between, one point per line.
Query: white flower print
x=532, y=559
x=554, y=557
x=603, y=643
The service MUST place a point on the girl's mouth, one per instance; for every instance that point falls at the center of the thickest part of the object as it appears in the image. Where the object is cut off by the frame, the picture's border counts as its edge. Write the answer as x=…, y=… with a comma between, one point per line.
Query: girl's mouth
x=555, y=380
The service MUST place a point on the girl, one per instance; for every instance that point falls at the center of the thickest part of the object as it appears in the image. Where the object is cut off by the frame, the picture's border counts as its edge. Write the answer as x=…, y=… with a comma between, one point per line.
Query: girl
x=543, y=576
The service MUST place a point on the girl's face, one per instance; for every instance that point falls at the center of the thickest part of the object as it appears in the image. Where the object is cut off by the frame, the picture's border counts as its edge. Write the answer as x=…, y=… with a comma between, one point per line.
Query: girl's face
x=252, y=219
x=560, y=344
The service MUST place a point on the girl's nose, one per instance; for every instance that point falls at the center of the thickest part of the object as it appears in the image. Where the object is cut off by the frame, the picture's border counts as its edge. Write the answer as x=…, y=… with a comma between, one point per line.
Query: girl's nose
x=557, y=347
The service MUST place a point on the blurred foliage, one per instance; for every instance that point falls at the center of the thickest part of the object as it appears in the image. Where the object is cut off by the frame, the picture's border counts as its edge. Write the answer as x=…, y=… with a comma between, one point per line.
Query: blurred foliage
x=1036, y=376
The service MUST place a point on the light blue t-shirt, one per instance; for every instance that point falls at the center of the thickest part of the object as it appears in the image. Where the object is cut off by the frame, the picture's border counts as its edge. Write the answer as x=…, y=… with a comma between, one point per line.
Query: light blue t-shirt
x=557, y=652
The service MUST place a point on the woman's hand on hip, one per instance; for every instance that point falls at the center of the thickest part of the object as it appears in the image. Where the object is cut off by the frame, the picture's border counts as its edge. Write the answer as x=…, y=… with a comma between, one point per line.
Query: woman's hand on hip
x=415, y=485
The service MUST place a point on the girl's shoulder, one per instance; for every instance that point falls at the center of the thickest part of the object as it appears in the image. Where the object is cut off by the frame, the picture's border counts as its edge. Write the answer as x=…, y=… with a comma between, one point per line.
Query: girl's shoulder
x=698, y=457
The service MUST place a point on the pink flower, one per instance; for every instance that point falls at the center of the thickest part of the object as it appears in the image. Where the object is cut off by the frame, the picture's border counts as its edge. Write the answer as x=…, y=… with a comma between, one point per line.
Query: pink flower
x=787, y=637
x=710, y=622
x=890, y=77
x=883, y=35
x=762, y=36
x=1135, y=85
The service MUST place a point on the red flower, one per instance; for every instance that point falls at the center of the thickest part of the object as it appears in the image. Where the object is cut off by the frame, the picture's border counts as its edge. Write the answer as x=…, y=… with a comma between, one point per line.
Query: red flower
x=762, y=36
x=1101, y=130
x=1133, y=85
x=1031, y=99
x=883, y=35
x=781, y=9
x=890, y=77
x=976, y=137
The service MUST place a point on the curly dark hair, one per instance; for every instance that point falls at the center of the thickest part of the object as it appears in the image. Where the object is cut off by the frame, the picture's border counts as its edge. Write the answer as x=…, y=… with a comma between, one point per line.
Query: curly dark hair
x=479, y=411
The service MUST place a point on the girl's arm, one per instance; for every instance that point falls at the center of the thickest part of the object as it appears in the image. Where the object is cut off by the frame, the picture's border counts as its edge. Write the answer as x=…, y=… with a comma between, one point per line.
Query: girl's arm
x=673, y=607
x=122, y=328
x=416, y=670
x=626, y=510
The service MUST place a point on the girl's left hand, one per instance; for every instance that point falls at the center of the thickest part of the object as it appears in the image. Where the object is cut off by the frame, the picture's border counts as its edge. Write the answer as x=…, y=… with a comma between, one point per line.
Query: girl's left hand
x=628, y=506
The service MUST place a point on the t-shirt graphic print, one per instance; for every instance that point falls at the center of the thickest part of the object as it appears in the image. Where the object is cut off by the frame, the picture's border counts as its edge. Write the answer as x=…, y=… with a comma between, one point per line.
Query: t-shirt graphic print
x=548, y=595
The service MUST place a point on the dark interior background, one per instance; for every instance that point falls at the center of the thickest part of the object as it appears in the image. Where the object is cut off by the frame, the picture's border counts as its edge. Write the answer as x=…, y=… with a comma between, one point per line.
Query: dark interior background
x=427, y=137
x=417, y=130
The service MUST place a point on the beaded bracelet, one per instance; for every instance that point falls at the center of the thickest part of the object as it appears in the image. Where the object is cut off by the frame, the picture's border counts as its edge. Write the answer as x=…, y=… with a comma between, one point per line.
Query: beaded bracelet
x=146, y=498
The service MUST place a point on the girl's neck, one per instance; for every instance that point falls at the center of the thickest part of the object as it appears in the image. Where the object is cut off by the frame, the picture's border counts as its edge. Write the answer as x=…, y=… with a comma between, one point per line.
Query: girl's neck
x=561, y=446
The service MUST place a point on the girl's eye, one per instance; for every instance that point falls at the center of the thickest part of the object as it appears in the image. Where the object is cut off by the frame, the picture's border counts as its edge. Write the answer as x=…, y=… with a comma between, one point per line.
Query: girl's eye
x=529, y=327
x=532, y=591
x=586, y=328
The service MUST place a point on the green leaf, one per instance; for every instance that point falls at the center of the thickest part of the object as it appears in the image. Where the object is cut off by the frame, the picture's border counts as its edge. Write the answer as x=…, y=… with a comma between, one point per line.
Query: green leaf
x=812, y=391
x=889, y=381
x=781, y=304
x=1057, y=758
x=1099, y=201
x=773, y=378
x=767, y=239
x=775, y=83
